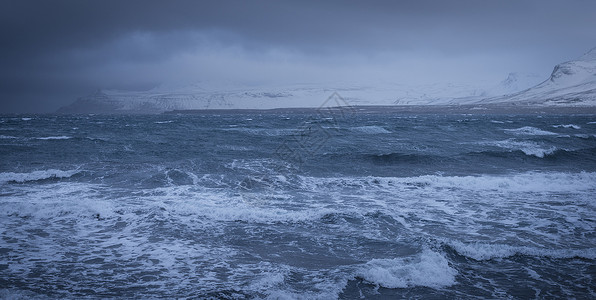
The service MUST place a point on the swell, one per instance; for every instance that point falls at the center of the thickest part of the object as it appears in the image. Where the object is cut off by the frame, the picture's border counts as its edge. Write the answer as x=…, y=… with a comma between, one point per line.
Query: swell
x=486, y=251
x=550, y=154
x=384, y=158
x=41, y=175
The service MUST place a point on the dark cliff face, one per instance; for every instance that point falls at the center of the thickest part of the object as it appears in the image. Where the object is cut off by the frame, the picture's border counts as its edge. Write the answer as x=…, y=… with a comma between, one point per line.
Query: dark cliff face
x=97, y=102
x=101, y=103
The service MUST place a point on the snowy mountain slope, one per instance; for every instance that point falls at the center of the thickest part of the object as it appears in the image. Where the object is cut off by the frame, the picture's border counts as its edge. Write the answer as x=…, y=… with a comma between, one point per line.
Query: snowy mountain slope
x=514, y=83
x=214, y=96
x=572, y=83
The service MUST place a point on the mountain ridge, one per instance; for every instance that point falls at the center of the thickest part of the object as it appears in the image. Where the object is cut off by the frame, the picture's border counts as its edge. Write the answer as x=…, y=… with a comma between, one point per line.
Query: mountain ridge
x=571, y=83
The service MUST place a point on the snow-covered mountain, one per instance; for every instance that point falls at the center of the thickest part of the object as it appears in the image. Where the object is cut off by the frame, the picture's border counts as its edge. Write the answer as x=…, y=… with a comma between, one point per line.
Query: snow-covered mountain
x=571, y=83
x=217, y=96
x=514, y=83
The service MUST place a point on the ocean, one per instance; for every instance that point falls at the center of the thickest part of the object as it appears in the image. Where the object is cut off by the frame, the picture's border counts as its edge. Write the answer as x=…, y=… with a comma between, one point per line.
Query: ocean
x=302, y=204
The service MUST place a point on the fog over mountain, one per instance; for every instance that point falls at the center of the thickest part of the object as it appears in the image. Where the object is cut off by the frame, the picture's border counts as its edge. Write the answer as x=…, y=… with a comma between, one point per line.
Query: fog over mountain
x=55, y=52
x=571, y=83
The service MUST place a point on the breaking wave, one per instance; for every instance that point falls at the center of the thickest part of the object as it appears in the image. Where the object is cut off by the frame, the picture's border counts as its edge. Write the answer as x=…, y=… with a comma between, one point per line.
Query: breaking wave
x=429, y=269
x=527, y=147
x=523, y=182
x=484, y=251
x=62, y=137
x=369, y=129
x=36, y=175
x=567, y=126
x=529, y=130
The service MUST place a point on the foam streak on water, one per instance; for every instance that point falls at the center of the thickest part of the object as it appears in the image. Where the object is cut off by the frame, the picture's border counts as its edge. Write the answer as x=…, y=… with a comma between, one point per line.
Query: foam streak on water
x=390, y=207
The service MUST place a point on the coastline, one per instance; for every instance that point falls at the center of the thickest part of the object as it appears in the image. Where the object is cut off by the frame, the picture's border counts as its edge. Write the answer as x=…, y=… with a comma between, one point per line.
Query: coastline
x=411, y=109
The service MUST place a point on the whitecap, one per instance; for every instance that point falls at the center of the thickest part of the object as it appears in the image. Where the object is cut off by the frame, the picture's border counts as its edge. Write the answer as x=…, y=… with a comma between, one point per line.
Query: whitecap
x=529, y=130
x=582, y=136
x=35, y=175
x=267, y=132
x=163, y=122
x=62, y=137
x=2, y=137
x=523, y=182
x=485, y=251
x=527, y=147
x=26, y=119
x=370, y=129
x=567, y=126
x=429, y=269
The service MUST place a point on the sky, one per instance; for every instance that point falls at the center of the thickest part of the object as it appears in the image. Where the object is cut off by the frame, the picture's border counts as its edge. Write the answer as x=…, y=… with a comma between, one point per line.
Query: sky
x=52, y=52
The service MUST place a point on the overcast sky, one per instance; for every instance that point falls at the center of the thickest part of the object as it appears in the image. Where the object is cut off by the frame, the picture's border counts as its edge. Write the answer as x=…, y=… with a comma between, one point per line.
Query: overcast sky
x=52, y=52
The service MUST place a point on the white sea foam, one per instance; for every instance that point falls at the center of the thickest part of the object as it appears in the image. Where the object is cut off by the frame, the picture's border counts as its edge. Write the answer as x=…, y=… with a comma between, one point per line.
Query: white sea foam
x=429, y=269
x=529, y=130
x=163, y=122
x=17, y=294
x=245, y=207
x=61, y=137
x=267, y=131
x=26, y=119
x=3, y=137
x=210, y=211
x=236, y=147
x=567, y=126
x=527, y=147
x=484, y=251
x=523, y=182
x=582, y=136
x=35, y=175
x=370, y=129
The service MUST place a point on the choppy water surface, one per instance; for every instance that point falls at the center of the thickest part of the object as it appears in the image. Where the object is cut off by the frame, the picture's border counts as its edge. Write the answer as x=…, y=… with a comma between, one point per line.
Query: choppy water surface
x=242, y=206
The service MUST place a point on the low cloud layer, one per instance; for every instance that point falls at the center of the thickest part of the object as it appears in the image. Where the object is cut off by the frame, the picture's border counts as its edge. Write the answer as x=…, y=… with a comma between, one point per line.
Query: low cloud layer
x=56, y=51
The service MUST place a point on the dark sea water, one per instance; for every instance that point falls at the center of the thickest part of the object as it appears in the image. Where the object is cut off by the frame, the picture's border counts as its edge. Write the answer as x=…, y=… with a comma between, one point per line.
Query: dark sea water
x=298, y=206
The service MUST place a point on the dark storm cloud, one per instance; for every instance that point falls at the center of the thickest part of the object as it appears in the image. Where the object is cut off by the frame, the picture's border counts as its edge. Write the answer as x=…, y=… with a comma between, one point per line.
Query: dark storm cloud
x=53, y=51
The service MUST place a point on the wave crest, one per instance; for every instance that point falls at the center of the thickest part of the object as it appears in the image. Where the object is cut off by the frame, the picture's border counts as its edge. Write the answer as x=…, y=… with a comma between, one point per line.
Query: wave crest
x=529, y=130
x=369, y=129
x=62, y=137
x=483, y=251
x=428, y=269
x=35, y=175
x=527, y=147
x=524, y=182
